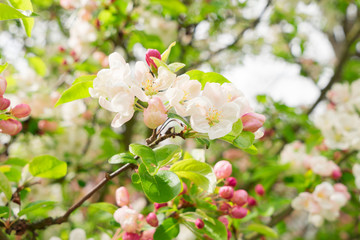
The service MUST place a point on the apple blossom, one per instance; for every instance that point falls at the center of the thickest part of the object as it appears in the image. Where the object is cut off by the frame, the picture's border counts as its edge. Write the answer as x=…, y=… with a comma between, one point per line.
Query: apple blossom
x=211, y=113
x=222, y=169
x=21, y=110
x=148, y=234
x=47, y=126
x=122, y=196
x=234, y=95
x=226, y=192
x=155, y=113
x=127, y=218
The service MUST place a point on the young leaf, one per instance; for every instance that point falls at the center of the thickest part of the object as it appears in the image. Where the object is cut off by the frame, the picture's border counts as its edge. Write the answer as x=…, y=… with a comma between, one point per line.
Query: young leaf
x=237, y=128
x=263, y=229
x=8, y=12
x=38, y=65
x=85, y=78
x=160, y=188
x=47, y=166
x=166, y=53
x=199, y=173
x=77, y=91
x=5, y=186
x=166, y=154
x=146, y=154
x=168, y=230
x=244, y=140
x=174, y=67
x=203, y=77
x=104, y=206
x=122, y=158
x=3, y=67
x=35, y=205
x=24, y=5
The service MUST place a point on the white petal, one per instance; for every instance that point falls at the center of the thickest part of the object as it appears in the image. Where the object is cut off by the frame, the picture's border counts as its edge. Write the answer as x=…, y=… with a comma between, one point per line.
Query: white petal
x=116, y=60
x=220, y=129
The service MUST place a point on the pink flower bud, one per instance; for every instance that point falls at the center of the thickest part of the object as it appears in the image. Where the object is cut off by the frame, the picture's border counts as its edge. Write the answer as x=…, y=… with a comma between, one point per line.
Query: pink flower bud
x=240, y=197
x=47, y=126
x=224, y=220
x=159, y=205
x=152, y=53
x=222, y=169
x=252, y=121
x=231, y=181
x=199, y=223
x=225, y=207
x=229, y=234
x=148, y=234
x=21, y=110
x=259, y=189
x=4, y=103
x=3, y=85
x=184, y=191
x=122, y=196
x=155, y=113
x=226, y=192
x=10, y=126
x=238, y=212
x=131, y=236
x=152, y=220
x=336, y=173
x=252, y=201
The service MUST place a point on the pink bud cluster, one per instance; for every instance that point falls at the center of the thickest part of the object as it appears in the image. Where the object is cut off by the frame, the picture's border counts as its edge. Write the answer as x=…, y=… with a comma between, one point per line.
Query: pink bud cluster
x=131, y=221
x=11, y=126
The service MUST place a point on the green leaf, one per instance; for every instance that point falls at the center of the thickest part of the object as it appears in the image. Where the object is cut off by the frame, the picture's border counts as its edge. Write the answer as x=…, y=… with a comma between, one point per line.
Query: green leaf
x=214, y=231
x=167, y=154
x=244, y=140
x=178, y=117
x=263, y=229
x=237, y=128
x=204, y=78
x=38, y=65
x=166, y=53
x=168, y=230
x=173, y=7
x=252, y=149
x=4, y=212
x=13, y=173
x=4, y=66
x=8, y=12
x=47, y=166
x=35, y=205
x=24, y=5
x=77, y=91
x=5, y=186
x=85, y=78
x=203, y=141
x=160, y=188
x=146, y=154
x=199, y=173
x=122, y=158
x=174, y=67
x=16, y=162
x=104, y=206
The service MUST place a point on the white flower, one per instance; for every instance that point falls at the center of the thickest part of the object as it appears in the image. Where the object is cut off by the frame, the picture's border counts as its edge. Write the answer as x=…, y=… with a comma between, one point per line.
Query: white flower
x=234, y=95
x=77, y=234
x=339, y=93
x=356, y=173
x=70, y=111
x=145, y=85
x=294, y=153
x=82, y=33
x=316, y=219
x=305, y=201
x=127, y=218
x=181, y=92
x=211, y=113
x=112, y=89
x=322, y=194
x=322, y=166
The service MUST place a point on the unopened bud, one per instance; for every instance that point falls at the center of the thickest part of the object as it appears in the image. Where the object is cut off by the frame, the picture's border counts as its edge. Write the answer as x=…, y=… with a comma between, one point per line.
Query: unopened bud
x=336, y=173
x=238, y=212
x=131, y=236
x=252, y=121
x=231, y=181
x=4, y=103
x=199, y=223
x=155, y=113
x=21, y=110
x=225, y=208
x=3, y=85
x=122, y=196
x=152, y=219
x=224, y=220
x=251, y=201
x=240, y=197
x=47, y=126
x=152, y=53
x=259, y=189
x=10, y=126
x=159, y=205
x=226, y=192
x=222, y=169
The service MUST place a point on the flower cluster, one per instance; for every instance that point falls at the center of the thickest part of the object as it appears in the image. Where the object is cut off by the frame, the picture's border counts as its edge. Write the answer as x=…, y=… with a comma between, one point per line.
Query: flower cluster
x=324, y=203
x=9, y=125
x=340, y=124
x=212, y=111
x=300, y=161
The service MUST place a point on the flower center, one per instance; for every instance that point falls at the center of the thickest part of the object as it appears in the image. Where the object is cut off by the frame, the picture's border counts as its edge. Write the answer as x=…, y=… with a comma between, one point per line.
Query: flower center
x=149, y=87
x=213, y=116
